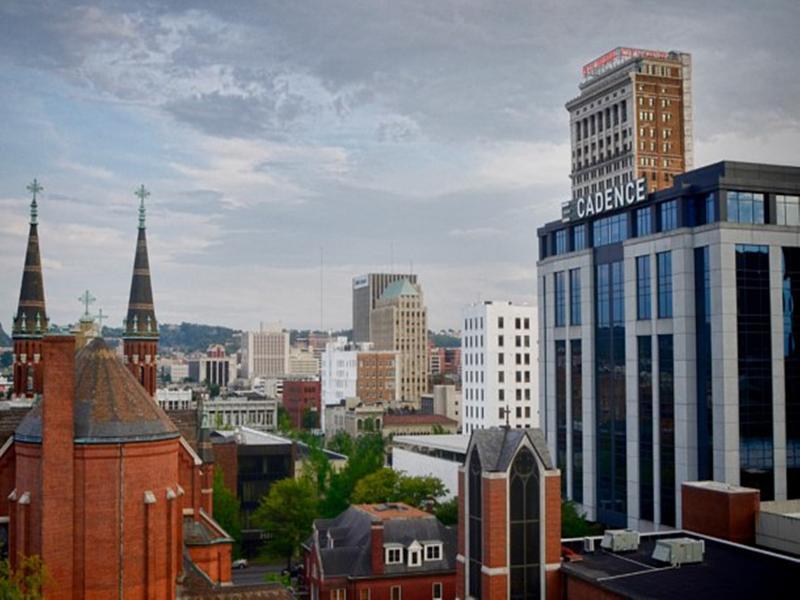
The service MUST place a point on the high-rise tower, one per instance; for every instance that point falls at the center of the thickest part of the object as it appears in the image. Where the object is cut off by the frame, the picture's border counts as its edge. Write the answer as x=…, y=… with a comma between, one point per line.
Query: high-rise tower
x=141, y=328
x=30, y=323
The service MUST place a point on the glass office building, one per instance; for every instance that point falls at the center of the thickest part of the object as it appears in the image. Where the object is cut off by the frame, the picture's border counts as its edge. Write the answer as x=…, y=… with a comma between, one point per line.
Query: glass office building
x=684, y=364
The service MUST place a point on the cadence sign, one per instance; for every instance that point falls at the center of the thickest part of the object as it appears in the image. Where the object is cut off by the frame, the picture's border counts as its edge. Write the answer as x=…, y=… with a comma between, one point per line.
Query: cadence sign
x=605, y=201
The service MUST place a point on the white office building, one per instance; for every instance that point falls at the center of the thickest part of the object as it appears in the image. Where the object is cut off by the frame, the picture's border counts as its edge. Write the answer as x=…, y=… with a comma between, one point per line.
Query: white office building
x=498, y=366
x=265, y=353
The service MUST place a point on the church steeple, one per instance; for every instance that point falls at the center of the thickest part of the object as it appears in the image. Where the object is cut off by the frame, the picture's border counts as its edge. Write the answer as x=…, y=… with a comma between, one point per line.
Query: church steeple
x=30, y=322
x=141, y=327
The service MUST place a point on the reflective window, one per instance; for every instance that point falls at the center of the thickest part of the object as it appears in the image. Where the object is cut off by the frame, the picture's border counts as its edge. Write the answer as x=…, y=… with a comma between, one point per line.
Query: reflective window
x=574, y=296
x=644, y=349
x=745, y=207
x=644, y=221
x=787, y=210
x=666, y=428
x=523, y=528
x=561, y=241
x=668, y=215
x=702, y=311
x=560, y=298
x=576, y=391
x=791, y=365
x=643, y=295
x=579, y=237
x=610, y=230
x=475, y=525
x=664, y=275
x=561, y=411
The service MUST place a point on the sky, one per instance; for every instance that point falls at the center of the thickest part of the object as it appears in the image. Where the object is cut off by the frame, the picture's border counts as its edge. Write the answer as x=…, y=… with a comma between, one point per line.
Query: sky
x=279, y=136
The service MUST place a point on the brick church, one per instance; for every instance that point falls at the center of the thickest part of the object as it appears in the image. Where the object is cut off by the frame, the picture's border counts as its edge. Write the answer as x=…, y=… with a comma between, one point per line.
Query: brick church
x=96, y=479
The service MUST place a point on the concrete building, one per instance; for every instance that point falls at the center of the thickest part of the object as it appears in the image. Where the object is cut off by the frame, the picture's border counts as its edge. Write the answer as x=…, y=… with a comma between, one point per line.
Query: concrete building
x=632, y=119
x=265, y=353
x=399, y=323
x=498, y=366
x=257, y=412
x=339, y=371
x=445, y=400
x=668, y=328
x=216, y=367
x=366, y=291
x=445, y=361
x=303, y=363
x=440, y=456
x=353, y=417
x=174, y=398
x=378, y=377
x=417, y=424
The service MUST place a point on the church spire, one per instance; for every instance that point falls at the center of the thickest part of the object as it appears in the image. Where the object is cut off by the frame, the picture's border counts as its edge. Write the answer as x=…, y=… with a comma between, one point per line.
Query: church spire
x=30, y=322
x=140, y=340
x=31, y=318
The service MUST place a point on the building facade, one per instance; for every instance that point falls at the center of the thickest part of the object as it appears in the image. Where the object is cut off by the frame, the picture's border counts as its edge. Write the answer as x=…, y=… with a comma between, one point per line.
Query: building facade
x=378, y=377
x=299, y=397
x=215, y=368
x=265, y=353
x=339, y=371
x=367, y=289
x=399, y=323
x=445, y=361
x=303, y=363
x=668, y=328
x=234, y=411
x=498, y=366
x=632, y=119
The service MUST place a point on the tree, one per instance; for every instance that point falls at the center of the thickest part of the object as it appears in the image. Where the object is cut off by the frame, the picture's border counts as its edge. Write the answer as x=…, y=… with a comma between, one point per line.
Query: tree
x=447, y=512
x=310, y=419
x=365, y=457
x=387, y=485
x=575, y=524
x=342, y=443
x=26, y=582
x=226, y=509
x=284, y=421
x=286, y=514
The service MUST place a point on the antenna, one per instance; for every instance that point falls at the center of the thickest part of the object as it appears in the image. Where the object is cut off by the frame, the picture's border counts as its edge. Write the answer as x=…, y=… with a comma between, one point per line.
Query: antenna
x=321, y=288
x=391, y=257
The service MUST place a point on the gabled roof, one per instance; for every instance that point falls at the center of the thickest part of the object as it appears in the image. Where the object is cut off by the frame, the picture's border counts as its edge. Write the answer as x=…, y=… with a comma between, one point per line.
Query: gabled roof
x=110, y=404
x=497, y=446
x=401, y=287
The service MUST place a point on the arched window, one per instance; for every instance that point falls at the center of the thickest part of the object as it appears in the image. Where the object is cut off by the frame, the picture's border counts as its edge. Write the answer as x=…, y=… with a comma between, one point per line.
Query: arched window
x=475, y=524
x=524, y=546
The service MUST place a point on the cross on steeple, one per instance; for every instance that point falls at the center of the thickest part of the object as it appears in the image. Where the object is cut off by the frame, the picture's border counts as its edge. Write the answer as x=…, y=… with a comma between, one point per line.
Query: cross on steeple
x=142, y=193
x=506, y=413
x=86, y=299
x=34, y=188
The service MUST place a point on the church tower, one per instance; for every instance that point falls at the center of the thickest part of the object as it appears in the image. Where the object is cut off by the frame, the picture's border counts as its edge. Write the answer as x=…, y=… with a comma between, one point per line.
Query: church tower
x=30, y=322
x=141, y=328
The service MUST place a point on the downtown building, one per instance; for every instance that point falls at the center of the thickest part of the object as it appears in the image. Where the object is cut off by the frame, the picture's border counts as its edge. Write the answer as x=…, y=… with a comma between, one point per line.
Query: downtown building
x=631, y=120
x=265, y=353
x=498, y=366
x=367, y=290
x=668, y=340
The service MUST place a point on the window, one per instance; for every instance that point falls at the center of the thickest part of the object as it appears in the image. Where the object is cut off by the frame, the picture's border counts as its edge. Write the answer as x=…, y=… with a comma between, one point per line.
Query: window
x=561, y=241
x=787, y=210
x=559, y=292
x=364, y=595
x=499, y=322
x=518, y=323
x=745, y=207
x=644, y=221
x=643, y=301
x=436, y=592
x=475, y=513
x=644, y=348
x=664, y=274
x=397, y=593
x=394, y=555
x=524, y=527
x=791, y=367
x=500, y=340
x=576, y=391
x=414, y=558
x=666, y=427
x=574, y=296
x=500, y=358
x=579, y=237
x=501, y=377
x=561, y=410
x=668, y=212
x=527, y=323
x=339, y=594
x=610, y=230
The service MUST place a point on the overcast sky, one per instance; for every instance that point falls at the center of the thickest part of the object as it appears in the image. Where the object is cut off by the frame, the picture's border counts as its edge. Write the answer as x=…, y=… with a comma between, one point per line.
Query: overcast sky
x=386, y=133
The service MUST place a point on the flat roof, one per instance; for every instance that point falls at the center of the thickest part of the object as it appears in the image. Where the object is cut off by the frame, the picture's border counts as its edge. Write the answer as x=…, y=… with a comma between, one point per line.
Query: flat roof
x=388, y=511
x=451, y=442
x=728, y=570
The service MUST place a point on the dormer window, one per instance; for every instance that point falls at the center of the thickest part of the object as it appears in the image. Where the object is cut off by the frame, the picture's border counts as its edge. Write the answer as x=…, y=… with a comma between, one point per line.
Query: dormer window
x=433, y=551
x=393, y=554
x=415, y=554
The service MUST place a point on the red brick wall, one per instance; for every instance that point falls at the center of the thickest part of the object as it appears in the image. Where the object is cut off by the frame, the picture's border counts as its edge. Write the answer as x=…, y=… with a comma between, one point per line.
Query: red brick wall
x=495, y=523
x=577, y=589
x=720, y=513
x=226, y=459
x=552, y=517
x=299, y=395
x=136, y=352
x=412, y=588
x=214, y=561
x=30, y=347
x=7, y=478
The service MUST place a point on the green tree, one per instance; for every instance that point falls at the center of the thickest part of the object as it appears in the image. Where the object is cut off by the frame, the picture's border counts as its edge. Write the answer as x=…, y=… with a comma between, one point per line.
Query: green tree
x=575, y=524
x=227, y=510
x=310, y=419
x=213, y=389
x=367, y=456
x=284, y=421
x=447, y=512
x=287, y=514
x=26, y=582
x=317, y=468
x=341, y=442
x=379, y=486
x=415, y=490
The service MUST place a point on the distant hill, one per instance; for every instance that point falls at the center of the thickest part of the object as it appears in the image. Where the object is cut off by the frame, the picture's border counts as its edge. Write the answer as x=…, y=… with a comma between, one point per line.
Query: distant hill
x=443, y=339
x=188, y=337
x=4, y=339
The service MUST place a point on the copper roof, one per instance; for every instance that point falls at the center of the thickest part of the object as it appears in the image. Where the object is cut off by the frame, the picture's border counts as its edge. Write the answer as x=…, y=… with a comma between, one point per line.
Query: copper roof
x=110, y=404
x=141, y=318
x=31, y=317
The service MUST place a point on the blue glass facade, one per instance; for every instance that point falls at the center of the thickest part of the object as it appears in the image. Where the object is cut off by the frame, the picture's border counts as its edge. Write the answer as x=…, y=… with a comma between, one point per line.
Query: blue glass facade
x=576, y=377
x=755, y=369
x=791, y=365
x=579, y=237
x=668, y=215
x=745, y=207
x=666, y=428
x=575, y=297
x=610, y=230
x=561, y=411
x=560, y=299
x=644, y=221
x=644, y=351
x=561, y=241
x=664, y=283
x=702, y=311
x=644, y=301
x=610, y=394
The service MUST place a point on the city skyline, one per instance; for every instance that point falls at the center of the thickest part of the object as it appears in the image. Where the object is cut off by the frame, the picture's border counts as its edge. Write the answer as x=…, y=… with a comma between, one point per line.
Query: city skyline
x=266, y=133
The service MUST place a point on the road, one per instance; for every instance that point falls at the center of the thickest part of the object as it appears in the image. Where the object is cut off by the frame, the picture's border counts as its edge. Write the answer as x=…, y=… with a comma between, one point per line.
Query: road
x=254, y=574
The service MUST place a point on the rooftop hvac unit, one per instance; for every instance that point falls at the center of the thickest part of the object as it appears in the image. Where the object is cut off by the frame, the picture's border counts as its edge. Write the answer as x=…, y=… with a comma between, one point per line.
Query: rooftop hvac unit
x=620, y=540
x=679, y=551
x=588, y=544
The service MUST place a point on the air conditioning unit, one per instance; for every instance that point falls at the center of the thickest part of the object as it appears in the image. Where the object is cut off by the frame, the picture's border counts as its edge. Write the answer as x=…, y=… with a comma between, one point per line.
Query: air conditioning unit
x=620, y=540
x=588, y=544
x=679, y=551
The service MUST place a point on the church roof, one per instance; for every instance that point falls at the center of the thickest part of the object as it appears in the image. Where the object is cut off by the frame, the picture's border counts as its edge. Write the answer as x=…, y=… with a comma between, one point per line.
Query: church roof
x=497, y=446
x=31, y=318
x=141, y=319
x=401, y=287
x=110, y=404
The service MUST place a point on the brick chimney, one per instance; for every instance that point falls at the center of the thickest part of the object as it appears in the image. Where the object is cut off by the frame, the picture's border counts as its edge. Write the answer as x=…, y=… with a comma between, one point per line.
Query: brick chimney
x=720, y=510
x=376, y=531
x=58, y=494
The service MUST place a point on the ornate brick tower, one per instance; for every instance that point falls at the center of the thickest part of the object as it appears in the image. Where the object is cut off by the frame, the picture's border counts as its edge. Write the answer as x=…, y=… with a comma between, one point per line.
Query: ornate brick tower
x=141, y=328
x=30, y=323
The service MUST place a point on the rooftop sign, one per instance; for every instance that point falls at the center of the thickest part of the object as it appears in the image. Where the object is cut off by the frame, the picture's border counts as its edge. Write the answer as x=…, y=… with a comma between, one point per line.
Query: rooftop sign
x=606, y=201
x=617, y=56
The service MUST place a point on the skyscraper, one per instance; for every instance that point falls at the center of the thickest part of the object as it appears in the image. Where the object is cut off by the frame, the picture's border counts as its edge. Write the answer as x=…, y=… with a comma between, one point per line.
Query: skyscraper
x=140, y=339
x=632, y=119
x=400, y=323
x=30, y=323
x=367, y=289
x=668, y=335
